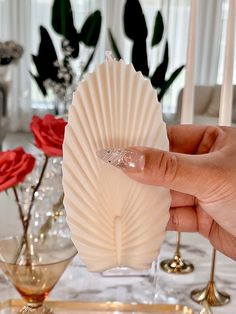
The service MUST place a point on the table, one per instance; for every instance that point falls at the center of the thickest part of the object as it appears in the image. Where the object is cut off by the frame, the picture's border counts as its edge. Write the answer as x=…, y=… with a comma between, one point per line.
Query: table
x=78, y=284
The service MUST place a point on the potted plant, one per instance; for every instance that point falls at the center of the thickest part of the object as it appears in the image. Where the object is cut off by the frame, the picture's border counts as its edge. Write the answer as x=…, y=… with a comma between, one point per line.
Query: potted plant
x=58, y=75
x=135, y=29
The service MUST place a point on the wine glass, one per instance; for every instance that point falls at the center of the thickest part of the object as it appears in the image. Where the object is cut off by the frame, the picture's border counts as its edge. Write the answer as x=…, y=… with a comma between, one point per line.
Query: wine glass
x=35, y=279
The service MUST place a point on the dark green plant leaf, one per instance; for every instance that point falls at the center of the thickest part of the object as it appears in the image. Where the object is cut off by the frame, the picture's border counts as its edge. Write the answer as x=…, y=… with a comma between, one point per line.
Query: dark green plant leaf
x=63, y=23
x=134, y=21
x=91, y=28
x=40, y=84
x=46, y=47
x=114, y=45
x=62, y=19
x=74, y=44
x=87, y=63
x=158, y=77
x=39, y=64
x=169, y=82
x=139, y=57
x=158, y=29
x=46, y=58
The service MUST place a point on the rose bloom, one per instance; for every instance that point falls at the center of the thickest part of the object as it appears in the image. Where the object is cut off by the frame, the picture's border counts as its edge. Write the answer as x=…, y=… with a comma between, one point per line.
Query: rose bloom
x=15, y=164
x=48, y=134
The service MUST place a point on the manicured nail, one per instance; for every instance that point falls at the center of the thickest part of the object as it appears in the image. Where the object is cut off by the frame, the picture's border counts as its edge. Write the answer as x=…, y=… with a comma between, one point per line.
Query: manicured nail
x=123, y=158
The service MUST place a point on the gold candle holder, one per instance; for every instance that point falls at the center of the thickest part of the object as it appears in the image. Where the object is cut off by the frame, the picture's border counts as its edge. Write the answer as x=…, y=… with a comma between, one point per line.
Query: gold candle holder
x=177, y=265
x=210, y=292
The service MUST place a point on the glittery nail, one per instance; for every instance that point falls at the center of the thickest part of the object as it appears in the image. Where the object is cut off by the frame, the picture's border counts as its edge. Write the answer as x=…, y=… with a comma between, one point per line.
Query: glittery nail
x=130, y=159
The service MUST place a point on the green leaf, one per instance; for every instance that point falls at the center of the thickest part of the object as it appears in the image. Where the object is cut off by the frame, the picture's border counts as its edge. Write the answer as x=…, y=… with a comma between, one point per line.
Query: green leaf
x=46, y=58
x=158, y=77
x=91, y=29
x=62, y=17
x=134, y=21
x=40, y=84
x=158, y=29
x=63, y=23
x=114, y=45
x=46, y=47
x=169, y=82
x=87, y=64
x=139, y=56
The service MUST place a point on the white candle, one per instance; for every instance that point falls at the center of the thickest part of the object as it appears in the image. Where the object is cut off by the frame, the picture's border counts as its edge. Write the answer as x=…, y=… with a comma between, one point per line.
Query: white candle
x=187, y=112
x=226, y=97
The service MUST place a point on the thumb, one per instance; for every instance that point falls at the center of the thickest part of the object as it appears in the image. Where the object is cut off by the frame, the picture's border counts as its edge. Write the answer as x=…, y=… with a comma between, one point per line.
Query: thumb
x=181, y=172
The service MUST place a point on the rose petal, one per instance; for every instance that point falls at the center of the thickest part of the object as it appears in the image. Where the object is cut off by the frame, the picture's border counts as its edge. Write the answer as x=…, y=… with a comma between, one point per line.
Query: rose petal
x=14, y=166
x=49, y=134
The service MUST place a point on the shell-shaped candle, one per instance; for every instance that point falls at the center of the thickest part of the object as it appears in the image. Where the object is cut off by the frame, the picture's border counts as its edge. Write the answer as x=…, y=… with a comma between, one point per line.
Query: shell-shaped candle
x=114, y=220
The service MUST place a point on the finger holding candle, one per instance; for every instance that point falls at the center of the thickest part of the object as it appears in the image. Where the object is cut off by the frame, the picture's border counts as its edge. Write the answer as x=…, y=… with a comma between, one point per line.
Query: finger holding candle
x=177, y=265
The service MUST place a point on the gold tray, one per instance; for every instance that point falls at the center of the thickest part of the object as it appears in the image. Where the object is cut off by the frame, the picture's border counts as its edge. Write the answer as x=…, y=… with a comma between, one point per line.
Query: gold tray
x=72, y=307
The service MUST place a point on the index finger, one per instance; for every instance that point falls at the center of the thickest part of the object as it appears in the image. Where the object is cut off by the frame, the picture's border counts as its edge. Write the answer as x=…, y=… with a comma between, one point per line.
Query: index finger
x=186, y=139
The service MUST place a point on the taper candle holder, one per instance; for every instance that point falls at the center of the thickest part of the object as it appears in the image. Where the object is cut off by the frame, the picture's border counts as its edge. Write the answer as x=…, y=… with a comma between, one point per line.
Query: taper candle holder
x=177, y=265
x=210, y=292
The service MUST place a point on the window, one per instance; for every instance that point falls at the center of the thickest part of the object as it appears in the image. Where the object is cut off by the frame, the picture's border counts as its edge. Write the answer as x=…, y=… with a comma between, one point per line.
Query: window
x=20, y=20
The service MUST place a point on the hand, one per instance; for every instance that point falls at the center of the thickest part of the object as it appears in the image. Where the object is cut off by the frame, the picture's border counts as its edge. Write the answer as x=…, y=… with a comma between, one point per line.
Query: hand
x=200, y=170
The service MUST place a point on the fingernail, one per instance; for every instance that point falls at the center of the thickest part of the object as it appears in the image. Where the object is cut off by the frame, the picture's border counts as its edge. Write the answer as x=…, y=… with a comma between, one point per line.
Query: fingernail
x=123, y=158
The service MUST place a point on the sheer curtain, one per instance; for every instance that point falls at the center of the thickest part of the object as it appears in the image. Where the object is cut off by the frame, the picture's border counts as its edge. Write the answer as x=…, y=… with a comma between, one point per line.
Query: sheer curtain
x=20, y=20
x=209, y=23
x=15, y=24
x=209, y=37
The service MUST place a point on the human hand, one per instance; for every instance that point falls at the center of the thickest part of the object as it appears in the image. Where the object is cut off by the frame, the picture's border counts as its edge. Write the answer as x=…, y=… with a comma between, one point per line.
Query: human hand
x=200, y=170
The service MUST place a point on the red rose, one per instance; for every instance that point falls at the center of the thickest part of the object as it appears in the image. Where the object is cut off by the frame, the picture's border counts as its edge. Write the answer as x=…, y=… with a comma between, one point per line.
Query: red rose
x=49, y=134
x=14, y=166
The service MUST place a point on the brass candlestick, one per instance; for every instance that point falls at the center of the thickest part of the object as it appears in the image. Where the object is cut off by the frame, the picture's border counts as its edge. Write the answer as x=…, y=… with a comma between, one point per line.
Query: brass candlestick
x=177, y=265
x=210, y=293
x=206, y=308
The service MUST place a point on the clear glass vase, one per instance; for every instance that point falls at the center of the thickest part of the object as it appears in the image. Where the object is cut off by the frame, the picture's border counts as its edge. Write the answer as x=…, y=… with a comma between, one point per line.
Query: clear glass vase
x=35, y=256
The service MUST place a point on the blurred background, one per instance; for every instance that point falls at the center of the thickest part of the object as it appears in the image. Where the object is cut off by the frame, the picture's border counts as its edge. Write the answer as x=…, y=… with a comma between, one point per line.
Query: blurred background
x=20, y=21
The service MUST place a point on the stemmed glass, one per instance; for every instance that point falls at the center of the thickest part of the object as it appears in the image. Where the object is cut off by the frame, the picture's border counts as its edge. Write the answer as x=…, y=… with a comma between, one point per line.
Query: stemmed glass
x=34, y=281
x=34, y=261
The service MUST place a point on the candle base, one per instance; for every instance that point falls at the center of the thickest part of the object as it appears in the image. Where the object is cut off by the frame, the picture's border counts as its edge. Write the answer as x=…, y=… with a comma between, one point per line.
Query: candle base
x=211, y=295
x=177, y=265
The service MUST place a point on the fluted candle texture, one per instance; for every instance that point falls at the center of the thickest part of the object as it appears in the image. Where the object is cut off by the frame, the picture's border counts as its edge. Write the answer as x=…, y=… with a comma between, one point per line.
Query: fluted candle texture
x=113, y=219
